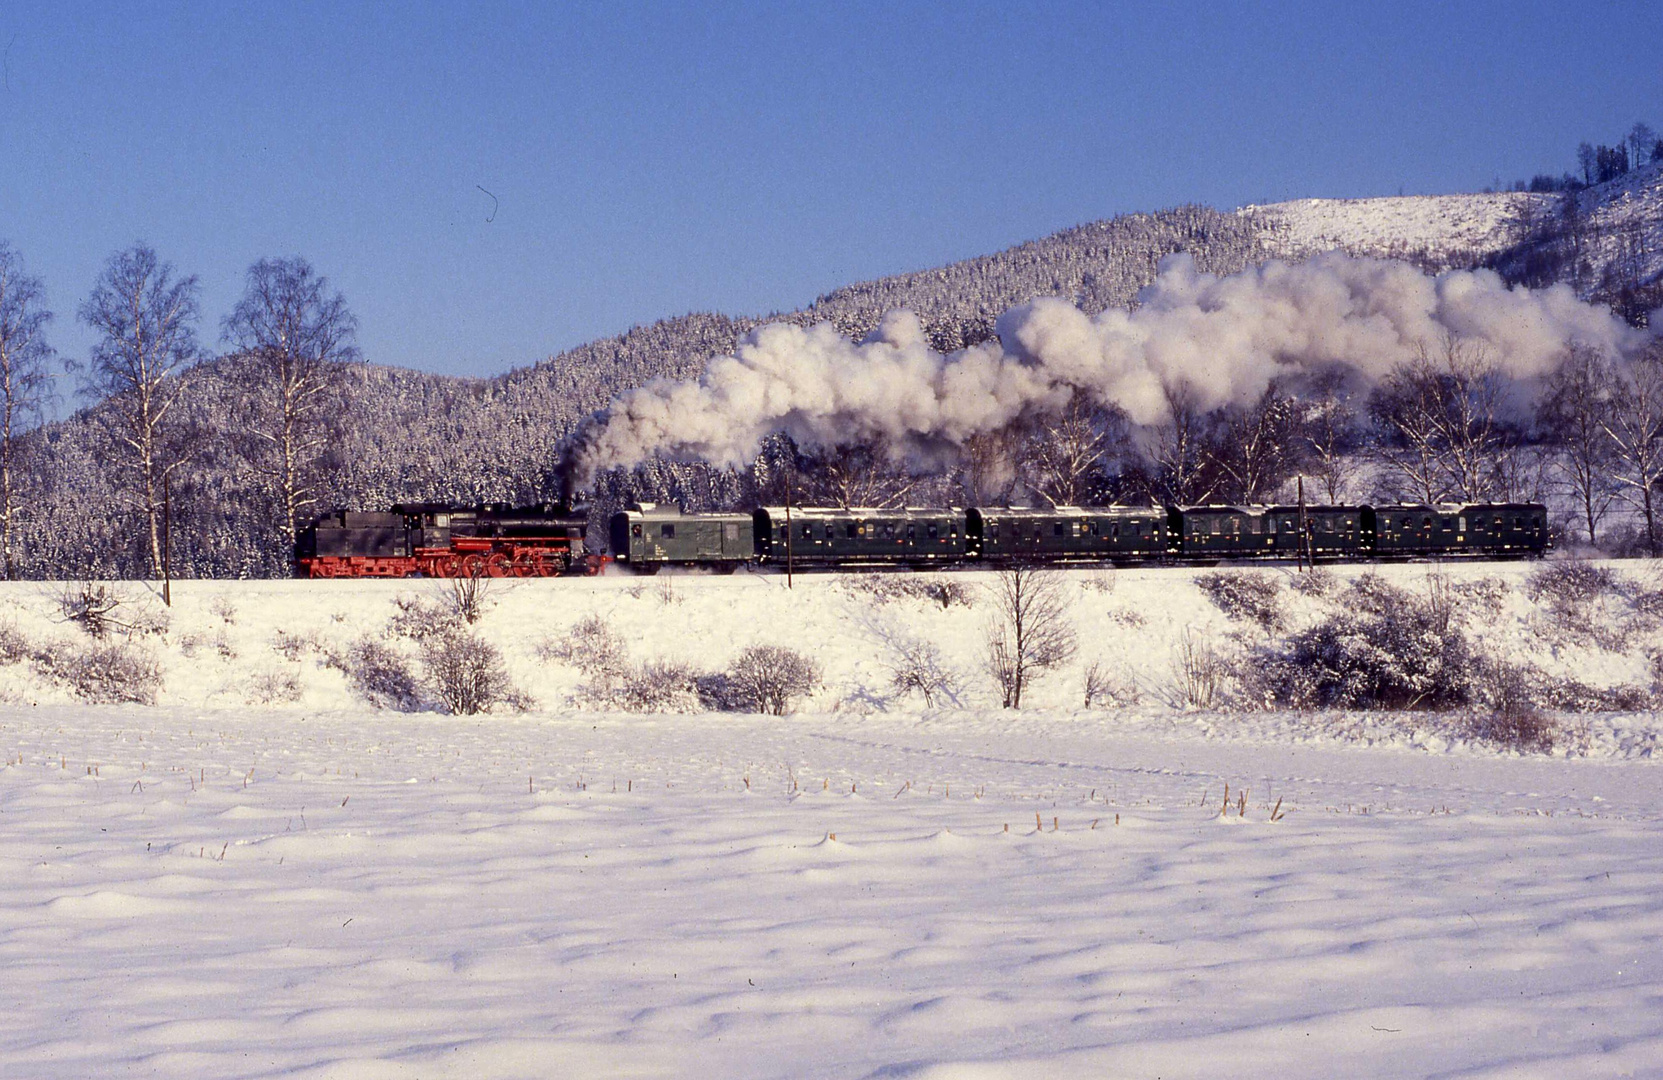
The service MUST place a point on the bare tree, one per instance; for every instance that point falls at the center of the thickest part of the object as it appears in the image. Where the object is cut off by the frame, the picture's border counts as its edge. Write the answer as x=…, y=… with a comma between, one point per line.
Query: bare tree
x=854, y=474
x=1255, y=447
x=296, y=337
x=1634, y=424
x=1183, y=460
x=1030, y=632
x=1641, y=140
x=1066, y=452
x=1578, y=397
x=25, y=380
x=1441, y=415
x=144, y=317
x=1328, y=428
x=987, y=468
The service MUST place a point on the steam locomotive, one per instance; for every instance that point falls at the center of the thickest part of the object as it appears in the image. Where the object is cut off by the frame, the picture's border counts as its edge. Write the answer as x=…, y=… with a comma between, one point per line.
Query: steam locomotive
x=444, y=540
x=441, y=540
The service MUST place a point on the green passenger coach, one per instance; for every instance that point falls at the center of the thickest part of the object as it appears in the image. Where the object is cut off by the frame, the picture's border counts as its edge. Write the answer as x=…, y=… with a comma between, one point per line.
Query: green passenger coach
x=844, y=537
x=647, y=537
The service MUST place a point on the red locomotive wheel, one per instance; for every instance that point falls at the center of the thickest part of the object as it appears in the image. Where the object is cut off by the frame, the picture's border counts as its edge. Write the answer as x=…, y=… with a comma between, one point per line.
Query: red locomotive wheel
x=497, y=565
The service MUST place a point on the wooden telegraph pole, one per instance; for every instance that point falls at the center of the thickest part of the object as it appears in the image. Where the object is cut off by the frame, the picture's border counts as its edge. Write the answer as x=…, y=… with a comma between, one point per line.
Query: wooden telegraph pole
x=167, y=536
x=1304, y=551
x=790, y=475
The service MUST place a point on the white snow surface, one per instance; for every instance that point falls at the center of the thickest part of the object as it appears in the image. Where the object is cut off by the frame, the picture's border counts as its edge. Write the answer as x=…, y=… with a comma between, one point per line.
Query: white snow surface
x=1392, y=226
x=866, y=888
x=1623, y=221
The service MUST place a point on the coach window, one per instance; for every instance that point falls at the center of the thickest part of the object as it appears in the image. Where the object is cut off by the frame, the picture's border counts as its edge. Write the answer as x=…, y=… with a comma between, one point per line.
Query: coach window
x=635, y=530
x=852, y=530
x=668, y=532
x=934, y=532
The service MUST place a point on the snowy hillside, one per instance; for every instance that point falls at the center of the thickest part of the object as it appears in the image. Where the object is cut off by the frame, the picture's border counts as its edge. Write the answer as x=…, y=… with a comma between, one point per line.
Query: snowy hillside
x=1444, y=226
x=264, y=876
x=1622, y=220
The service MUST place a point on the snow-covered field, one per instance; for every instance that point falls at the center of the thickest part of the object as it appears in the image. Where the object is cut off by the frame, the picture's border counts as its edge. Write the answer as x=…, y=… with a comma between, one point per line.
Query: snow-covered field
x=211, y=887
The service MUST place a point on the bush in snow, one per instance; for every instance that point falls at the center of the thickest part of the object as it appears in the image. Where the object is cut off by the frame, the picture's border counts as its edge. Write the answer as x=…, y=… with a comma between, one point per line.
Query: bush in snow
x=293, y=647
x=420, y=619
x=1391, y=650
x=1372, y=594
x=889, y=588
x=381, y=675
x=916, y=667
x=466, y=597
x=766, y=678
x=1524, y=731
x=275, y=688
x=1510, y=718
x=1199, y=674
x=221, y=644
x=102, y=673
x=97, y=607
x=1254, y=596
x=1100, y=686
x=1318, y=581
x=1099, y=581
x=223, y=607
x=718, y=693
x=14, y=647
x=657, y=686
x=1569, y=583
x=1487, y=594
x=467, y=674
x=591, y=646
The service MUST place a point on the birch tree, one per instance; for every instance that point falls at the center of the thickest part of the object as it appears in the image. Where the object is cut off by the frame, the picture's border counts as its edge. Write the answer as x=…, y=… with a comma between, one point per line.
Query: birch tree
x=145, y=320
x=1574, y=413
x=1067, y=452
x=1031, y=630
x=1634, y=424
x=1441, y=415
x=295, y=336
x=1182, y=454
x=25, y=380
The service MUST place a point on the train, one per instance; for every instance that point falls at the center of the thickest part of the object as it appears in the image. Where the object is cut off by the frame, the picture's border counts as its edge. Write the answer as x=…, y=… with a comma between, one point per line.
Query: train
x=547, y=540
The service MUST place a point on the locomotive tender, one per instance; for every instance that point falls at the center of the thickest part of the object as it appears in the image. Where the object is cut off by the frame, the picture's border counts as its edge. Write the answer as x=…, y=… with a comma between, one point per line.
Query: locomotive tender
x=438, y=540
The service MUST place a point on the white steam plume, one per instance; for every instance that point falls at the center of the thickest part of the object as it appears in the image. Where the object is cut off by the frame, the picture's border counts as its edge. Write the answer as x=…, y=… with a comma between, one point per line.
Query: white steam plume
x=1227, y=337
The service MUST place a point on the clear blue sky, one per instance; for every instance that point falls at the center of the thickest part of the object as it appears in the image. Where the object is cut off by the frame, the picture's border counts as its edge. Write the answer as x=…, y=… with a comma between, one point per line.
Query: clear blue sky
x=645, y=160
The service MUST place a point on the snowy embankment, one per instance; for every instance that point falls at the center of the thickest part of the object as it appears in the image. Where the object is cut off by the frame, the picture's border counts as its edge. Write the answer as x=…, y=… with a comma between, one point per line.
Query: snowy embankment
x=212, y=887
